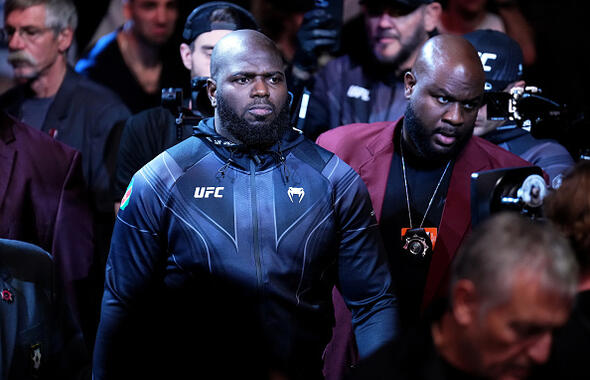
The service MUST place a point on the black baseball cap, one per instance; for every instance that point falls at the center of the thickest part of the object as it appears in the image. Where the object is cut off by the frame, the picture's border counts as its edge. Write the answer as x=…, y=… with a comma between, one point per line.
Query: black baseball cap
x=500, y=56
x=199, y=21
x=398, y=7
x=405, y=3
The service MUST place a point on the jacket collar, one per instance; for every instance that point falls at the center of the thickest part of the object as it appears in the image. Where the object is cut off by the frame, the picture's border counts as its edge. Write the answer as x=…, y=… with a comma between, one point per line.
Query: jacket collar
x=241, y=155
x=62, y=104
x=59, y=109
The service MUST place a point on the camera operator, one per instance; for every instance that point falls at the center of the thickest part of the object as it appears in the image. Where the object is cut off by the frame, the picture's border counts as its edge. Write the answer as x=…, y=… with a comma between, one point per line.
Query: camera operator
x=502, y=60
x=152, y=131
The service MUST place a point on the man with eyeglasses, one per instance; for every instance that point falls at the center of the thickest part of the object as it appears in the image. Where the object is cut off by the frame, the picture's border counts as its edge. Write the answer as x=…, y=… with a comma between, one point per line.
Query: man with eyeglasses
x=52, y=98
x=366, y=85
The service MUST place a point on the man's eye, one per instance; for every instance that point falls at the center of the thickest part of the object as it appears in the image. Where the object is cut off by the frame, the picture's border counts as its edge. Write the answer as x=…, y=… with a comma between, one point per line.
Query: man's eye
x=470, y=106
x=31, y=32
x=242, y=80
x=149, y=6
x=442, y=99
x=9, y=31
x=275, y=79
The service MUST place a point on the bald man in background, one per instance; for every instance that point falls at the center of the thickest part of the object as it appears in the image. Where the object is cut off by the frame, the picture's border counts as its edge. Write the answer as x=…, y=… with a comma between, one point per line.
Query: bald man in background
x=417, y=170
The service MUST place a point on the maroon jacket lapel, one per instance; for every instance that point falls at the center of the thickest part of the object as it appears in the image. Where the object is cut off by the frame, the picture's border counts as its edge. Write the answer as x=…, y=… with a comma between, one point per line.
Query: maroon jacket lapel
x=376, y=164
x=369, y=153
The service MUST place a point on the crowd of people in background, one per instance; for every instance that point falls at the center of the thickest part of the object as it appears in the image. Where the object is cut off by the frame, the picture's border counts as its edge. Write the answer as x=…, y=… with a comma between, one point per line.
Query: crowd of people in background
x=281, y=190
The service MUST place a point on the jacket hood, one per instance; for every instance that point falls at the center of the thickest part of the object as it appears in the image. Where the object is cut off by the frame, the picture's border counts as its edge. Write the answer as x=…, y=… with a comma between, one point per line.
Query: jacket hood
x=240, y=155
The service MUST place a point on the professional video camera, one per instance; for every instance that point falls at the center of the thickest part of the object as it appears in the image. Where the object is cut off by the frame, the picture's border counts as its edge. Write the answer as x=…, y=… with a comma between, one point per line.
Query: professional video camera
x=541, y=116
x=524, y=106
x=173, y=100
x=519, y=189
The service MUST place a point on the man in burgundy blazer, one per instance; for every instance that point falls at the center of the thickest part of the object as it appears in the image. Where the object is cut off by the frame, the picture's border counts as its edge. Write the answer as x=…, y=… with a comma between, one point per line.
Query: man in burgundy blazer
x=444, y=96
x=368, y=148
x=43, y=198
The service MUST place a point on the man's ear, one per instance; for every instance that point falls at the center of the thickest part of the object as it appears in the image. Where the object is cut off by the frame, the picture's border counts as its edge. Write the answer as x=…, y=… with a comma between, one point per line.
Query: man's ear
x=432, y=14
x=465, y=303
x=127, y=11
x=409, y=83
x=64, y=39
x=186, y=56
x=212, y=92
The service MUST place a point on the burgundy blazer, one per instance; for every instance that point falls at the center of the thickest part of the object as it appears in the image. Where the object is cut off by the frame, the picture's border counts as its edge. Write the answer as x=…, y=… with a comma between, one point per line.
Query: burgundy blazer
x=43, y=198
x=368, y=148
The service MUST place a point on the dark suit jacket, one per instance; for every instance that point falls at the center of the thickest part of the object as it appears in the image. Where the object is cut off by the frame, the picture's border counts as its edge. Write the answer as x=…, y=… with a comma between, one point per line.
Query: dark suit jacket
x=38, y=336
x=43, y=198
x=368, y=148
x=87, y=117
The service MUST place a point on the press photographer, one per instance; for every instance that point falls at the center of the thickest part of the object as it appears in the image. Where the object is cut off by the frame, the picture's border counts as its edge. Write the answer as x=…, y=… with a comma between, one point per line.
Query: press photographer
x=505, y=119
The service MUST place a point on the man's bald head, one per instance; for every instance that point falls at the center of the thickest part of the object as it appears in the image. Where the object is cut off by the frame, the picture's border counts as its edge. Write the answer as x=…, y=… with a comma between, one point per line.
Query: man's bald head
x=239, y=43
x=445, y=90
x=248, y=89
x=449, y=53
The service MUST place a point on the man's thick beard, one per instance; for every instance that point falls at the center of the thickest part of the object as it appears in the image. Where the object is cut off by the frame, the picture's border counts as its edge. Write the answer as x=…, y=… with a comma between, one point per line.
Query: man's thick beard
x=421, y=138
x=259, y=136
x=406, y=49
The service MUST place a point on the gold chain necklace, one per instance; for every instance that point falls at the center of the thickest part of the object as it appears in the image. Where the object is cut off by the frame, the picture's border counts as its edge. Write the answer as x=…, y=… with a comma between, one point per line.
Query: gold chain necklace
x=406, y=187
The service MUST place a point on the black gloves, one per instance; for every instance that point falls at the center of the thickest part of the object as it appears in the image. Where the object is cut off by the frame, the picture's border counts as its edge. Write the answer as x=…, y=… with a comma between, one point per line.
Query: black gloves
x=319, y=32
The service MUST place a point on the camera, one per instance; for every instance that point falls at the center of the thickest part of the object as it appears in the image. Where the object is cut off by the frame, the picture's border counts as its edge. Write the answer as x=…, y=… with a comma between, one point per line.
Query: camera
x=543, y=117
x=525, y=106
x=520, y=189
x=172, y=99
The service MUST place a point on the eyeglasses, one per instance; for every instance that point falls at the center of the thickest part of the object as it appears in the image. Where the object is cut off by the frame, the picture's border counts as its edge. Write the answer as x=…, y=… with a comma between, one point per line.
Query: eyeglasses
x=27, y=33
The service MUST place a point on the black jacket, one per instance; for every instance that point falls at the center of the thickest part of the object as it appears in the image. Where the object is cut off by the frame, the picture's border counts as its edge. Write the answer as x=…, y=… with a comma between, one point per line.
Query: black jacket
x=228, y=255
x=87, y=117
x=146, y=135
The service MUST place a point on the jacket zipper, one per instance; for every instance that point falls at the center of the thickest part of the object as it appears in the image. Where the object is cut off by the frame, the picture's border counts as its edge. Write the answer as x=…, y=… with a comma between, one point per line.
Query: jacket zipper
x=255, y=221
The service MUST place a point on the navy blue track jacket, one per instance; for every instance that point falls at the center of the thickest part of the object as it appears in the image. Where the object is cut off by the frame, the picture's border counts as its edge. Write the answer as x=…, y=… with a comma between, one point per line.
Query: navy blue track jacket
x=223, y=261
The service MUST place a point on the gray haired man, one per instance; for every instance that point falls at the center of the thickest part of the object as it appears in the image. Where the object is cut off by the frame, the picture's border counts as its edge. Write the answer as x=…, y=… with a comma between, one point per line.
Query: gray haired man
x=512, y=283
x=52, y=98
